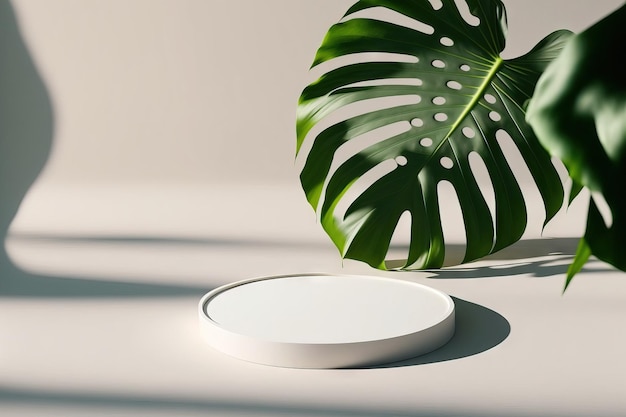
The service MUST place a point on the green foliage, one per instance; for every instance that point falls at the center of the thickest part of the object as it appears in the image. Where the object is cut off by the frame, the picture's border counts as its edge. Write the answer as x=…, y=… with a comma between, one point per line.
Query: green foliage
x=579, y=115
x=435, y=96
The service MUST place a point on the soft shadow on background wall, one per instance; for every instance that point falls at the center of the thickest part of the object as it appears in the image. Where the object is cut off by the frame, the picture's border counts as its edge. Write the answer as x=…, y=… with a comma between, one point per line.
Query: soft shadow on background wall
x=26, y=119
x=26, y=135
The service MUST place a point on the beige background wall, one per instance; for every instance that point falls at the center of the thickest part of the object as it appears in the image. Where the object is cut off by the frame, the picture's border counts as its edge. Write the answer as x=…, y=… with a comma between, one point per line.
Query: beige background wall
x=199, y=90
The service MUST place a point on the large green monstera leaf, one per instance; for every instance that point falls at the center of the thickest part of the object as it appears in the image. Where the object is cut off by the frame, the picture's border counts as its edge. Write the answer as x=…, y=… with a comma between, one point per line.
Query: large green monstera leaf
x=415, y=93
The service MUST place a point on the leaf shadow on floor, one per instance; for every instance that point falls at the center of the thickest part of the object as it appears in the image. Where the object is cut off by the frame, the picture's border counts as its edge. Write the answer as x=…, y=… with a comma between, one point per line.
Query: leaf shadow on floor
x=479, y=328
x=540, y=258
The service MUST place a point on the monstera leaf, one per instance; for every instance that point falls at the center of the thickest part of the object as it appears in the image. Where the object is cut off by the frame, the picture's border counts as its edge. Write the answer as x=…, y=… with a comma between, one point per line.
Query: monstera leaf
x=415, y=94
x=579, y=115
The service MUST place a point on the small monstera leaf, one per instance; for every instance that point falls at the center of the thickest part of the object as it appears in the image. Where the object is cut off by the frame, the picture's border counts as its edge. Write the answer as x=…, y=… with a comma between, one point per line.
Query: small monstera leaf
x=579, y=115
x=431, y=74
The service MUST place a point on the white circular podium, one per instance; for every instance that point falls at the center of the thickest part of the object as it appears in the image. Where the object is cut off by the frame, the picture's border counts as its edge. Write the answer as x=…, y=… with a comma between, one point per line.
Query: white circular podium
x=326, y=321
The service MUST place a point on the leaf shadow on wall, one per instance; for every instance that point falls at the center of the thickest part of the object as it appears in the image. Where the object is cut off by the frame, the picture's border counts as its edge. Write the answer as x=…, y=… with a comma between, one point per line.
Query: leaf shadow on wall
x=26, y=137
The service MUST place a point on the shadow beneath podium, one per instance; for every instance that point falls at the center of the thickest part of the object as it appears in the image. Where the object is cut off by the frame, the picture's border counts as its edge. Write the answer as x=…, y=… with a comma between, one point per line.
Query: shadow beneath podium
x=478, y=329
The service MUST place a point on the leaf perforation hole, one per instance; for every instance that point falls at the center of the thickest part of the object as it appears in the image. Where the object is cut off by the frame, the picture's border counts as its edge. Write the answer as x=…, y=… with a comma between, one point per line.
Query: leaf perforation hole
x=437, y=63
x=415, y=82
x=483, y=179
x=398, y=251
x=362, y=184
x=535, y=215
x=468, y=132
x=401, y=160
x=358, y=58
x=490, y=98
x=445, y=41
x=426, y=142
x=440, y=117
x=362, y=107
x=356, y=109
x=417, y=122
x=465, y=68
x=454, y=85
x=436, y=4
x=361, y=142
x=452, y=224
x=438, y=101
x=466, y=14
x=384, y=14
x=446, y=162
x=495, y=116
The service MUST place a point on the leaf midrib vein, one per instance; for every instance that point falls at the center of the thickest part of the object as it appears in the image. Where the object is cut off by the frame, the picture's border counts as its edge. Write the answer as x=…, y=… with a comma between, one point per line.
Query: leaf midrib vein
x=476, y=97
